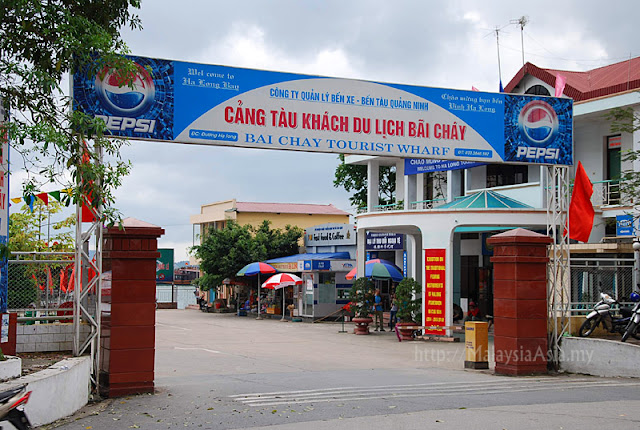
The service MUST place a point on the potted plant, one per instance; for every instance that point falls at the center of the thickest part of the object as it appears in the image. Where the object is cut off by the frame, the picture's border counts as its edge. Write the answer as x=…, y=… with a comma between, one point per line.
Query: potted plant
x=361, y=297
x=409, y=306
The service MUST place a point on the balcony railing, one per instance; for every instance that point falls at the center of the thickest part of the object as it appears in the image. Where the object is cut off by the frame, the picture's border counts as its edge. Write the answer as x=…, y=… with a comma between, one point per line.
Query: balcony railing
x=605, y=193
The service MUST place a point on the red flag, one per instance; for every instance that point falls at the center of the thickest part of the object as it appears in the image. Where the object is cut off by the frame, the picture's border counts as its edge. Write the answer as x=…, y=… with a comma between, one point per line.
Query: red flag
x=63, y=284
x=561, y=81
x=44, y=197
x=49, y=279
x=72, y=280
x=581, y=211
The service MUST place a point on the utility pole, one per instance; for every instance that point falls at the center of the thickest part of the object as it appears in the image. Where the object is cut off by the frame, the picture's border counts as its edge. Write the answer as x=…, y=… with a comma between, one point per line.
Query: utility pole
x=522, y=21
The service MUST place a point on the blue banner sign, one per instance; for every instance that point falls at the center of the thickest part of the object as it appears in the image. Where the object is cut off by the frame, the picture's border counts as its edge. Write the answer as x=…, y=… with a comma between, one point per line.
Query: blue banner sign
x=414, y=166
x=382, y=241
x=624, y=225
x=218, y=105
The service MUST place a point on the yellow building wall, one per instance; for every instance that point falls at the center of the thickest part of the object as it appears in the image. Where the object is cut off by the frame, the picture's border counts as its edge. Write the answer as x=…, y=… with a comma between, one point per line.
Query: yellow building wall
x=283, y=219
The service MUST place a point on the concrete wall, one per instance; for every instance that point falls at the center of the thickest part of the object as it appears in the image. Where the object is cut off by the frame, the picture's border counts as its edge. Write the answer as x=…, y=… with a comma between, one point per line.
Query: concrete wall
x=600, y=357
x=57, y=391
x=46, y=337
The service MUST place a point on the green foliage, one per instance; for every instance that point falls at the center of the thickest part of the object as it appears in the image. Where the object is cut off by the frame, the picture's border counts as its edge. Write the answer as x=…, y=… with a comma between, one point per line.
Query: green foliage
x=626, y=120
x=409, y=307
x=353, y=177
x=224, y=252
x=28, y=230
x=41, y=43
x=362, y=297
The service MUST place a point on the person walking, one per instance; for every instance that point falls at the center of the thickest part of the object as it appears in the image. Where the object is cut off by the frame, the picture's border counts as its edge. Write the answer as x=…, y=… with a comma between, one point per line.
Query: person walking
x=393, y=319
x=378, y=311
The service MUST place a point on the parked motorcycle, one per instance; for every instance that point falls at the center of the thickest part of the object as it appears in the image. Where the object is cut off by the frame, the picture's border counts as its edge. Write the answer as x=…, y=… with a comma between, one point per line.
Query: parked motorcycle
x=602, y=313
x=12, y=407
x=634, y=322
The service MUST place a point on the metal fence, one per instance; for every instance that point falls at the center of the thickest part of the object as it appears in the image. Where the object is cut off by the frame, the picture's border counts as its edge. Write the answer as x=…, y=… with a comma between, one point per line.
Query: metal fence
x=590, y=277
x=40, y=283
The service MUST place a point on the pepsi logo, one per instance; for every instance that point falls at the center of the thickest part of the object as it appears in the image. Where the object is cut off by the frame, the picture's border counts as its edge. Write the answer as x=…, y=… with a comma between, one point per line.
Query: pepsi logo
x=538, y=123
x=128, y=100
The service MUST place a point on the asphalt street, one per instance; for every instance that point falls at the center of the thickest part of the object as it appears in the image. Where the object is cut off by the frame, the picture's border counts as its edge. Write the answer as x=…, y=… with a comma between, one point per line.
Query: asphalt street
x=221, y=371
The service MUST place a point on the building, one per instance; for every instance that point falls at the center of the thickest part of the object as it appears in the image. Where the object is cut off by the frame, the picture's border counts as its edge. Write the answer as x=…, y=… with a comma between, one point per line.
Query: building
x=215, y=215
x=303, y=215
x=452, y=213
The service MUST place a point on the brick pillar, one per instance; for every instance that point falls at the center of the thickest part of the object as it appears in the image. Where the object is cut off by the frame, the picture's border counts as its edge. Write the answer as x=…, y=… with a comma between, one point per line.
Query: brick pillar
x=128, y=322
x=520, y=301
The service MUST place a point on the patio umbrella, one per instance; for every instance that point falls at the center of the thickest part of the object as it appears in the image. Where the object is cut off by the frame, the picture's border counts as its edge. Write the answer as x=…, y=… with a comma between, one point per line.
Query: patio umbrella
x=378, y=270
x=253, y=269
x=282, y=280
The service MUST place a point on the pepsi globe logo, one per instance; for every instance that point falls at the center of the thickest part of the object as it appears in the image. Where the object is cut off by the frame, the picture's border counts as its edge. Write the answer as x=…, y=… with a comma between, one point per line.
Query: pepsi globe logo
x=128, y=100
x=538, y=123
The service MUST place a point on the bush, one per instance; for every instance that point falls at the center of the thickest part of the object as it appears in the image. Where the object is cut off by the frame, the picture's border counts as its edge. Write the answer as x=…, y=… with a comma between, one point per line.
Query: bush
x=409, y=305
x=361, y=297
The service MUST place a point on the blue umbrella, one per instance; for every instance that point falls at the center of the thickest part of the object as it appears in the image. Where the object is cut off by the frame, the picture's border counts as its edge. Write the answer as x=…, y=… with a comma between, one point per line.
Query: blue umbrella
x=380, y=269
x=253, y=269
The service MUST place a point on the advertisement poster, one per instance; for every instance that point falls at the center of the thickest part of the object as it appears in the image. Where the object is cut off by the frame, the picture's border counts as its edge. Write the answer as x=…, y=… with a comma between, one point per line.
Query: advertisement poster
x=434, y=290
x=218, y=105
x=164, y=265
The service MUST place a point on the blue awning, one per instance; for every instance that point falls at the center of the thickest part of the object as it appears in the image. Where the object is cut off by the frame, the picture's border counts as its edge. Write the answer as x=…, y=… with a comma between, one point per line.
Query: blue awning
x=316, y=256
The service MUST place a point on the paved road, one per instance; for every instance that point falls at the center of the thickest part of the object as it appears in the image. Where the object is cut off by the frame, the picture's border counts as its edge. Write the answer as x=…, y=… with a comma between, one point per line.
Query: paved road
x=226, y=372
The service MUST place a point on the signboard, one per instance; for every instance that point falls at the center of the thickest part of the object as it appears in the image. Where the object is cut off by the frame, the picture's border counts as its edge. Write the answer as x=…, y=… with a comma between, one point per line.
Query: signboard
x=434, y=295
x=317, y=265
x=624, y=225
x=164, y=265
x=342, y=265
x=381, y=241
x=331, y=234
x=205, y=104
x=4, y=206
x=414, y=166
x=291, y=266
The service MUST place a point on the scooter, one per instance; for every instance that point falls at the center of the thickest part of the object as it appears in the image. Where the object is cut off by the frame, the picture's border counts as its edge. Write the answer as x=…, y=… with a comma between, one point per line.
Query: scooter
x=601, y=313
x=12, y=407
x=634, y=322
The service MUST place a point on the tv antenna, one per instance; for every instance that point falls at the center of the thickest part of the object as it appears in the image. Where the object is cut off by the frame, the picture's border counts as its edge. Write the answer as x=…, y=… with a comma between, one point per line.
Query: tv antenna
x=522, y=21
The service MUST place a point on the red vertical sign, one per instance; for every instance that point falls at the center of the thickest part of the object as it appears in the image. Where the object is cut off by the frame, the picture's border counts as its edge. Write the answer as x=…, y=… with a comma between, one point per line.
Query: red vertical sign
x=434, y=290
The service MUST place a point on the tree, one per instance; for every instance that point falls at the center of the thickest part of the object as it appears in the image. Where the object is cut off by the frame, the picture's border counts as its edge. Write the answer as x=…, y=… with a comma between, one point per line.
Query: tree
x=28, y=231
x=626, y=120
x=353, y=177
x=361, y=297
x=225, y=251
x=409, y=306
x=41, y=42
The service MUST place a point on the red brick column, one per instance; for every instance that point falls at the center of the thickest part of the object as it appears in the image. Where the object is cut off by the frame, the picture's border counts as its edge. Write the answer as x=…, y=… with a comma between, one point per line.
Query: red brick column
x=128, y=328
x=520, y=301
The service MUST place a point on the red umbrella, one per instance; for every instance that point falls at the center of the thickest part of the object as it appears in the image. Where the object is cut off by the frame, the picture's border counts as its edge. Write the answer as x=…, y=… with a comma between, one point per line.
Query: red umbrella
x=282, y=280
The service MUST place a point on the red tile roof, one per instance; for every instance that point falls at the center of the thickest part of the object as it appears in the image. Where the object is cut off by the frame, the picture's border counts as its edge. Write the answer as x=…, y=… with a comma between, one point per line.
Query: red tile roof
x=603, y=81
x=289, y=208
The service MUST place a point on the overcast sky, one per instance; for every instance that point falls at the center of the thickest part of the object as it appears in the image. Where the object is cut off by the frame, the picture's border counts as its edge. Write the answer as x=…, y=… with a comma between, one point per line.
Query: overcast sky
x=448, y=43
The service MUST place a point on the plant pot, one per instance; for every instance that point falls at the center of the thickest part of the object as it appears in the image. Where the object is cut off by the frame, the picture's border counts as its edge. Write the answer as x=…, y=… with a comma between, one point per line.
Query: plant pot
x=362, y=325
x=405, y=333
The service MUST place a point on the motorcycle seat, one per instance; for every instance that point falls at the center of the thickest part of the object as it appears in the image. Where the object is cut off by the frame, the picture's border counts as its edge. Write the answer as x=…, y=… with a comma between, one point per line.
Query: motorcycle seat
x=10, y=393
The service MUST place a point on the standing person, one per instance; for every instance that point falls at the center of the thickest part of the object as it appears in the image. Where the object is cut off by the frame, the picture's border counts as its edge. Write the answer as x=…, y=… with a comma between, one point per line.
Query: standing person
x=393, y=319
x=378, y=311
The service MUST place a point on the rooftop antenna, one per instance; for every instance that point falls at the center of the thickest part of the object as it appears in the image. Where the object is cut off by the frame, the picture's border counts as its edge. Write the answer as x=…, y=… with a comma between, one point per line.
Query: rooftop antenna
x=522, y=21
x=497, y=31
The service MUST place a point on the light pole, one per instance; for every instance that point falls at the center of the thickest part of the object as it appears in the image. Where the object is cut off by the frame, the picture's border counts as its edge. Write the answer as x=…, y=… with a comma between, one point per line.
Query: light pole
x=636, y=263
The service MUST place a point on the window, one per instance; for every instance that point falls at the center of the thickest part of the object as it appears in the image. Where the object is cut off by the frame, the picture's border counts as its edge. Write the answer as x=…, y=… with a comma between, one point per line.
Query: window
x=504, y=174
x=538, y=90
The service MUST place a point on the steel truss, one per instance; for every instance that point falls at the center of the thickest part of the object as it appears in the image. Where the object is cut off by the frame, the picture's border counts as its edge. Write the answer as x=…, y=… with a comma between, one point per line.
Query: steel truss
x=558, y=293
x=87, y=297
